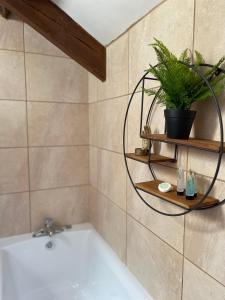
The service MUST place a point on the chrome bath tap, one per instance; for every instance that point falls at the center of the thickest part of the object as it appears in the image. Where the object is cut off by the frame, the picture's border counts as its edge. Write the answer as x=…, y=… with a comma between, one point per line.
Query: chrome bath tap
x=50, y=228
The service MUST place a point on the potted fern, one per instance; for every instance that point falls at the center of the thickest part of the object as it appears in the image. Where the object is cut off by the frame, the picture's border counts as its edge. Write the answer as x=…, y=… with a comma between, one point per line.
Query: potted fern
x=181, y=86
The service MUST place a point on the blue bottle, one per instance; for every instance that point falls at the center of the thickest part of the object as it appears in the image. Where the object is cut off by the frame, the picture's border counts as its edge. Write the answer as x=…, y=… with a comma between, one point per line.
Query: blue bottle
x=195, y=183
x=190, y=187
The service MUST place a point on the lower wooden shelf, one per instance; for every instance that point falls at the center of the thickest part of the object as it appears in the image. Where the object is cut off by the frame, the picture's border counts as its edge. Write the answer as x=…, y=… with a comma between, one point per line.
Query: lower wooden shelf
x=151, y=187
x=155, y=158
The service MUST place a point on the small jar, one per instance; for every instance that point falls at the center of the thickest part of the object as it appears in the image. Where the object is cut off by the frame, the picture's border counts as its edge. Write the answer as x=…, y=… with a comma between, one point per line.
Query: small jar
x=145, y=143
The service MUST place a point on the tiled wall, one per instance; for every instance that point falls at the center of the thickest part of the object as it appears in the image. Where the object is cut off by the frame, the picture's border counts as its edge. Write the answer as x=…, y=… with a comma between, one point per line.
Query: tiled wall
x=43, y=132
x=174, y=257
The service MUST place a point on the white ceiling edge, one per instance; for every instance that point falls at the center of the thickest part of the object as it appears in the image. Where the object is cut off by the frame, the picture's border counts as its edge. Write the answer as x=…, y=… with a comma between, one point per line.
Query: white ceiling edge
x=105, y=20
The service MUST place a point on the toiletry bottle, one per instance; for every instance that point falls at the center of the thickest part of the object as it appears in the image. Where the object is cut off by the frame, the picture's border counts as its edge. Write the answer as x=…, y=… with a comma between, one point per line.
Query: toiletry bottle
x=180, y=182
x=190, y=188
x=195, y=183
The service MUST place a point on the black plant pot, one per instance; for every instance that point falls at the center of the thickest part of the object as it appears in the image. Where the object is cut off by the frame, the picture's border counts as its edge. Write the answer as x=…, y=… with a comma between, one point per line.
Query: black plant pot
x=179, y=123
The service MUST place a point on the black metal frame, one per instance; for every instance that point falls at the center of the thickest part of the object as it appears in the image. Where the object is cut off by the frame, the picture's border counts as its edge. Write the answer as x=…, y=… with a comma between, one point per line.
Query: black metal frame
x=220, y=153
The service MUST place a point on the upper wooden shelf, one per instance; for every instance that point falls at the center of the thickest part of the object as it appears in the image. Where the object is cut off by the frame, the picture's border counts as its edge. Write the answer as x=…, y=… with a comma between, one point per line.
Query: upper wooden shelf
x=202, y=144
x=155, y=158
x=151, y=187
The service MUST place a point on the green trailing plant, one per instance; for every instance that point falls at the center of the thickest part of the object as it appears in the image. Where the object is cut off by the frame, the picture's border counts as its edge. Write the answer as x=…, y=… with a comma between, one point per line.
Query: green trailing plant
x=181, y=86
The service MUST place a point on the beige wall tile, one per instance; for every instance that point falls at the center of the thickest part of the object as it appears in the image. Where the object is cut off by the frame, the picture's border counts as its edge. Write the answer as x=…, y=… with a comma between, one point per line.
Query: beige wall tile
x=112, y=177
x=14, y=214
x=109, y=220
x=65, y=206
x=210, y=41
x=55, y=79
x=206, y=125
x=169, y=229
x=92, y=88
x=96, y=208
x=134, y=119
x=14, y=170
x=204, y=241
x=140, y=172
x=116, y=83
x=58, y=167
x=93, y=124
x=93, y=166
x=205, y=163
x=209, y=36
x=171, y=22
x=57, y=124
x=156, y=265
x=36, y=43
x=108, y=175
x=11, y=33
x=106, y=123
x=13, y=130
x=198, y=285
x=12, y=75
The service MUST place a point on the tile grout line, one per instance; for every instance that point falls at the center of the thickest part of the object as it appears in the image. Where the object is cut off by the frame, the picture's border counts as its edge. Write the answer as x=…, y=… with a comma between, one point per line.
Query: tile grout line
x=182, y=284
x=126, y=129
x=45, y=189
x=34, y=53
x=187, y=163
x=194, y=21
x=60, y=187
x=45, y=101
x=112, y=98
x=27, y=132
x=202, y=270
x=161, y=239
x=105, y=149
x=107, y=197
x=58, y=146
x=89, y=147
x=44, y=146
x=55, y=102
x=50, y=55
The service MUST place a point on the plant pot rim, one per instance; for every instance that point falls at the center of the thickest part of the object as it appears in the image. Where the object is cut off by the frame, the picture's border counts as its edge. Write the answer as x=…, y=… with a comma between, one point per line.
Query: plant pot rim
x=179, y=109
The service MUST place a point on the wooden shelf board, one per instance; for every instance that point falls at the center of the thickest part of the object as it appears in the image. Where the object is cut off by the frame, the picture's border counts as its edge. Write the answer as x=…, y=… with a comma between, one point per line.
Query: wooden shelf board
x=155, y=158
x=202, y=144
x=151, y=187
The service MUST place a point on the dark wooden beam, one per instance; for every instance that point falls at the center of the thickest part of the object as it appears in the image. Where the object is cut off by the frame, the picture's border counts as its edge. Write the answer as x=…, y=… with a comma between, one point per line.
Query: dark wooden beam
x=54, y=24
x=4, y=12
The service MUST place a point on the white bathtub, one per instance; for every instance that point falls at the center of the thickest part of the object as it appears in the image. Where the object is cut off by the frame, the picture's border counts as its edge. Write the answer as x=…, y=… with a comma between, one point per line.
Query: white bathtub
x=81, y=266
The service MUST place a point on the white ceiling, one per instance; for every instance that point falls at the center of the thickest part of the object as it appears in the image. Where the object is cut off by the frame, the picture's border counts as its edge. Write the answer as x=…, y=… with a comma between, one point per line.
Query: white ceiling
x=106, y=19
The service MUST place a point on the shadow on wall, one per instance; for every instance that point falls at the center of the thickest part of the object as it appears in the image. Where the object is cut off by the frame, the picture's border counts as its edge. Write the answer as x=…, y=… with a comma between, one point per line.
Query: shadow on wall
x=206, y=124
x=214, y=216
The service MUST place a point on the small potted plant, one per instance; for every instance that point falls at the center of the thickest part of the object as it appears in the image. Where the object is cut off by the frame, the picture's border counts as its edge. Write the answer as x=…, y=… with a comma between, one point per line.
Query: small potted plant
x=181, y=86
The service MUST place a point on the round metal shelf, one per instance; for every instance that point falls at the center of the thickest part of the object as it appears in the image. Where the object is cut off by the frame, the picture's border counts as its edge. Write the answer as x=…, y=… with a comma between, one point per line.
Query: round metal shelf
x=141, y=82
